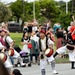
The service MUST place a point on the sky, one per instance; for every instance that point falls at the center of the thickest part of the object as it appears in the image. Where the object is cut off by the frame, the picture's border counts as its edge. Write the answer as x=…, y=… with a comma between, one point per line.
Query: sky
x=8, y=1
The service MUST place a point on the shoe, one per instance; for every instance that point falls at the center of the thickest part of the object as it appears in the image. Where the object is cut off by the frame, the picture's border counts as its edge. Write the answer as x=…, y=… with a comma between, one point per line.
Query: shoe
x=23, y=65
x=55, y=72
x=73, y=68
x=29, y=65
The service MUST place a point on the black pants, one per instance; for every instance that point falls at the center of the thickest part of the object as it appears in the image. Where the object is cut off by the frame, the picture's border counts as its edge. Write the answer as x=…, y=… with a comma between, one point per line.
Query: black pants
x=31, y=57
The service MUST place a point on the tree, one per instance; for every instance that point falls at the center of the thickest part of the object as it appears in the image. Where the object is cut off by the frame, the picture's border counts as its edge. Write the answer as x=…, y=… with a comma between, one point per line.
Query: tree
x=49, y=9
x=5, y=12
x=17, y=9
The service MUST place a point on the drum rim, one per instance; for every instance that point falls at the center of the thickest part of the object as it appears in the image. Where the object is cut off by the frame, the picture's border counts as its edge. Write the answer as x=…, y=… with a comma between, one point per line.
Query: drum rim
x=11, y=50
x=4, y=56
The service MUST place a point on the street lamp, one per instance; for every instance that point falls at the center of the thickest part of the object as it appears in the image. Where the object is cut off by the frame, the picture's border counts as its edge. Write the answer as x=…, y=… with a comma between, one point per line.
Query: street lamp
x=66, y=5
x=34, y=9
x=23, y=7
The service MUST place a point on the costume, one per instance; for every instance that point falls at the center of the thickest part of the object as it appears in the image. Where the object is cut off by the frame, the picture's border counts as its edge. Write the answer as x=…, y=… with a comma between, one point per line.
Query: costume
x=16, y=54
x=43, y=45
x=68, y=47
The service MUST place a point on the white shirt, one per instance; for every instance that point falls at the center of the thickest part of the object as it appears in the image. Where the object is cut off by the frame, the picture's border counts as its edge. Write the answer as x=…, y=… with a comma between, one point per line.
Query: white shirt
x=8, y=39
x=25, y=47
x=43, y=43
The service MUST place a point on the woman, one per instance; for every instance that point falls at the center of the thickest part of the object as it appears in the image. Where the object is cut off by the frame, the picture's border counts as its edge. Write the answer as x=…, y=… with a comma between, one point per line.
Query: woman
x=59, y=35
x=25, y=41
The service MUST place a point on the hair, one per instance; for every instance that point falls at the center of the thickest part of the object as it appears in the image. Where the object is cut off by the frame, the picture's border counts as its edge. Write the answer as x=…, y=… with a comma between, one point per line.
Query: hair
x=49, y=28
x=3, y=70
x=57, y=29
x=16, y=72
x=24, y=34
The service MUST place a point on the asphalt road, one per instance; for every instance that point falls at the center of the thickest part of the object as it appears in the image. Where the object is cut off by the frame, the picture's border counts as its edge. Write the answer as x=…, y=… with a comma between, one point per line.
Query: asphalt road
x=62, y=69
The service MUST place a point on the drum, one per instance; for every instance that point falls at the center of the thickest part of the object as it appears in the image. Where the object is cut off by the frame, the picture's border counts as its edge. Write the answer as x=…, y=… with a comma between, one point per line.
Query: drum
x=3, y=56
x=11, y=52
x=49, y=52
x=70, y=47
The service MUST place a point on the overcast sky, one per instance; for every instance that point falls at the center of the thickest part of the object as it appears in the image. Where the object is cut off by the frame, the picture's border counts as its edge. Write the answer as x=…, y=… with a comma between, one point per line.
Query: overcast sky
x=8, y=1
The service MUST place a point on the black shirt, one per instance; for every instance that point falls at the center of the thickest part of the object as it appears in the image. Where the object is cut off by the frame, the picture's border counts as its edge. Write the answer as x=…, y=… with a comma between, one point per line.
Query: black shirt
x=59, y=34
x=70, y=40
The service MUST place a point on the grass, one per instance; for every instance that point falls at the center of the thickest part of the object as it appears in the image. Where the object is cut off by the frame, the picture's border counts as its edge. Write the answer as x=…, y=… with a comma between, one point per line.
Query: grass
x=62, y=60
x=17, y=37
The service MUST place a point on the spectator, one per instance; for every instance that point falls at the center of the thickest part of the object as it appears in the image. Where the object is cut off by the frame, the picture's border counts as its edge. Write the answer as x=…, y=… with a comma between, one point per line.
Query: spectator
x=25, y=28
x=56, y=25
x=34, y=51
x=3, y=70
x=59, y=35
x=16, y=72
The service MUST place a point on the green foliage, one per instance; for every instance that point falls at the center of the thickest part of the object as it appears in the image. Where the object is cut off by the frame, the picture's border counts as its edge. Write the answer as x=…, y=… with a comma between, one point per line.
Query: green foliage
x=51, y=10
x=17, y=8
x=5, y=12
x=64, y=19
x=42, y=20
x=24, y=9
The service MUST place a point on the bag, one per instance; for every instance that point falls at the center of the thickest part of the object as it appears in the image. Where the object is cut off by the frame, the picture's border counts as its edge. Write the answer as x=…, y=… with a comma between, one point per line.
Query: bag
x=29, y=45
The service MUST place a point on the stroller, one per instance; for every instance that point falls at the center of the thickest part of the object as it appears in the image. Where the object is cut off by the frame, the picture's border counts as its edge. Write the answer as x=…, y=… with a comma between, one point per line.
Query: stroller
x=24, y=56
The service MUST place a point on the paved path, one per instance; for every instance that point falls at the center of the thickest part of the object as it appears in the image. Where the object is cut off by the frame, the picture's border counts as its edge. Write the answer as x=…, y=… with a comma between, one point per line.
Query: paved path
x=63, y=69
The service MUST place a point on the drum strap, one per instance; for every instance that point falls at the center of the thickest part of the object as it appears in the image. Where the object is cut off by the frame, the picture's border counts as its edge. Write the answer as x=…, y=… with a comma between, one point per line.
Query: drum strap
x=40, y=44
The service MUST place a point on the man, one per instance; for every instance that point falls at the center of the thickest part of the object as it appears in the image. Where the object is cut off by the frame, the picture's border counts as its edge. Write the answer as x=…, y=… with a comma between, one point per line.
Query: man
x=70, y=46
x=45, y=43
x=7, y=43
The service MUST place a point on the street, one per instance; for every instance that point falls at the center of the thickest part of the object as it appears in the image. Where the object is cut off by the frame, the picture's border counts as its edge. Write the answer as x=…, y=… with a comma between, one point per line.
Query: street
x=62, y=69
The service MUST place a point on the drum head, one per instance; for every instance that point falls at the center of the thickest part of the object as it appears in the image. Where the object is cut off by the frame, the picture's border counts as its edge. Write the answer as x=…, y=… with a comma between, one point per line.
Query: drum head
x=3, y=56
x=11, y=52
x=49, y=52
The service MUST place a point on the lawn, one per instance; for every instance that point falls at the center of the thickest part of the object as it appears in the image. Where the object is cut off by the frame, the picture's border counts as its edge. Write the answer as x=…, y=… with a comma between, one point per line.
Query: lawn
x=17, y=37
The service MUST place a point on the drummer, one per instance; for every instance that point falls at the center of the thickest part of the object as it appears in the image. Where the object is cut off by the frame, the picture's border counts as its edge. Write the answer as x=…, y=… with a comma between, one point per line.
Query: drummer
x=8, y=43
x=44, y=44
x=7, y=64
x=70, y=47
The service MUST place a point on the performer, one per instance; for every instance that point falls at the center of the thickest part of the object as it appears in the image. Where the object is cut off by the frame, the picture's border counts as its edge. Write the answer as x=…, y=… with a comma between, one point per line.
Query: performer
x=45, y=43
x=8, y=43
x=70, y=46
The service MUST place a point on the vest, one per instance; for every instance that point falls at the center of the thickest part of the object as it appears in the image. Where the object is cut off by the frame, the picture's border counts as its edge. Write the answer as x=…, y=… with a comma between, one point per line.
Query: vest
x=5, y=43
x=40, y=44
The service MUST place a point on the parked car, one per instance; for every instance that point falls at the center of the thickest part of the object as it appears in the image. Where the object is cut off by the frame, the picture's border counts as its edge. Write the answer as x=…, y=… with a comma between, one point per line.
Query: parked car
x=14, y=27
